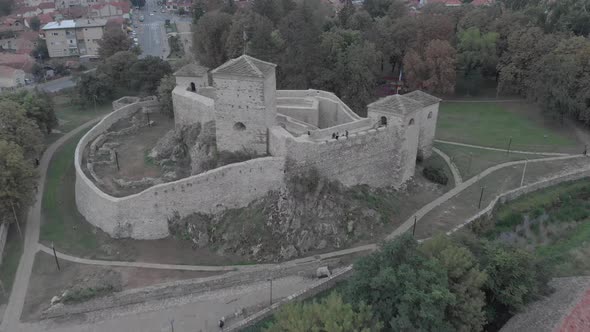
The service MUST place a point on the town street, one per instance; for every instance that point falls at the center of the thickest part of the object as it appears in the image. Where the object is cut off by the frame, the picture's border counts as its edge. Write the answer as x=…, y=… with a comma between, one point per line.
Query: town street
x=151, y=33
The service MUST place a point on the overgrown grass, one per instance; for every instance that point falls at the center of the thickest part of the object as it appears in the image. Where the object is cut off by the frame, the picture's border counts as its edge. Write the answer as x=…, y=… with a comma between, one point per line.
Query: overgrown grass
x=84, y=294
x=61, y=222
x=489, y=124
x=564, y=245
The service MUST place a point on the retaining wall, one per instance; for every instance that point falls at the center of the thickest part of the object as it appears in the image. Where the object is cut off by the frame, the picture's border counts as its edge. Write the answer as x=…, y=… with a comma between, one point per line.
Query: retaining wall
x=516, y=193
x=145, y=215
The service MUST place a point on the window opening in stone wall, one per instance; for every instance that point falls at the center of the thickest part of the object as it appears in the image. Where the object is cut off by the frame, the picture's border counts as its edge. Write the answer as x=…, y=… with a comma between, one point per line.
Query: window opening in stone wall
x=193, y=87
x=239, y=126
x=430, y=115
x=383, y=121
x=411, y=122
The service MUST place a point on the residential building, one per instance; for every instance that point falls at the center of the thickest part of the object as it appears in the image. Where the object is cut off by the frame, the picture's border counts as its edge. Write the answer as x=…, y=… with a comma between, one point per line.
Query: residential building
x=22, y=43
x=74, y=37
x=110, y=9
x=11, y=78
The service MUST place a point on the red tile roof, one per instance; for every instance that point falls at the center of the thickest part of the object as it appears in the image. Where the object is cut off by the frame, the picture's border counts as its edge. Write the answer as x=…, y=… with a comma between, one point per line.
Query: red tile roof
x=46, y=5
x=6, y=71
x=18, y=61
x=446, y=2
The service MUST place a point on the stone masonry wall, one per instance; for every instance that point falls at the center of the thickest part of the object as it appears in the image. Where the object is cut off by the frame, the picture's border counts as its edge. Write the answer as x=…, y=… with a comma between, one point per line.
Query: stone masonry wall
x=145, y=215
x=191, y=108
x=427, y=129
x=368, y=157
x=240, y=101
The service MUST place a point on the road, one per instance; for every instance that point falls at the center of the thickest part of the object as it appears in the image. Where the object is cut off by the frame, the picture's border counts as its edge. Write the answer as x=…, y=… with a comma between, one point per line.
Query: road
x=152, y=32
x=191, y=313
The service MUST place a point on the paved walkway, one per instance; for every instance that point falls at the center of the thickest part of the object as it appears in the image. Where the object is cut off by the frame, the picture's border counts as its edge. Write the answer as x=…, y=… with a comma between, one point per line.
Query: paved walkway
x=14, y=307
x=502, y=150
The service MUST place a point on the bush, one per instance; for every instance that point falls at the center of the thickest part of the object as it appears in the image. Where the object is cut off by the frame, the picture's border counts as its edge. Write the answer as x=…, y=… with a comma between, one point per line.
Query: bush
x=435, y=174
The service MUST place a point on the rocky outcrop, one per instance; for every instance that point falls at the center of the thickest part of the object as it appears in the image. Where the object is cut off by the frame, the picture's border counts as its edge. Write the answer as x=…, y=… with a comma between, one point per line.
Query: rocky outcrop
x=307, y=217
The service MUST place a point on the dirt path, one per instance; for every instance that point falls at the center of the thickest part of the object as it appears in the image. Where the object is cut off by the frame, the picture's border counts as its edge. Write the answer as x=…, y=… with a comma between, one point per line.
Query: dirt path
x=14, y=307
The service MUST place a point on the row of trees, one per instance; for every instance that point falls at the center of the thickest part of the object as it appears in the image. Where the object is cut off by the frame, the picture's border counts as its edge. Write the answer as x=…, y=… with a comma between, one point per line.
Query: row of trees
x=534, y=48
x=121, y=71
x=24, y=117
x=444, y=284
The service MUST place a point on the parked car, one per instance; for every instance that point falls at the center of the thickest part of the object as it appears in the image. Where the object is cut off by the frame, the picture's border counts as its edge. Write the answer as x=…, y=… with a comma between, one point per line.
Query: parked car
x=141, y=18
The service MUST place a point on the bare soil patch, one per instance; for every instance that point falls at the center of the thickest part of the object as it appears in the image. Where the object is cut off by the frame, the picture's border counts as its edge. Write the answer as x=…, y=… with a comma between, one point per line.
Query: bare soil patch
x=132, y=151
x=46, y=281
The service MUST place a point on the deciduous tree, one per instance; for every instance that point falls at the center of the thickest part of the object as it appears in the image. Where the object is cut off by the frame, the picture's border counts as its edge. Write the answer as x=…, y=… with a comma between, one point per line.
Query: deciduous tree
x=167, y=84
x=210, y=36
x=17, y=179
x=477, y=51
x=435, y=71
x=466, y=281
x=17, y=128
x=330, y=314
x=113, y=40
x=407, y=290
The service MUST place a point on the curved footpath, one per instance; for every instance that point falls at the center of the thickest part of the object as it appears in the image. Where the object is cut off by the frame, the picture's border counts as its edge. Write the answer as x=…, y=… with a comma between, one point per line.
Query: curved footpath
x=10, y=322
x=21, y=280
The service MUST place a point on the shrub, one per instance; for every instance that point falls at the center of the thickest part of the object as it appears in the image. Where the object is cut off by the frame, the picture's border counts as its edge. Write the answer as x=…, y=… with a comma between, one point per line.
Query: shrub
x=435, y=174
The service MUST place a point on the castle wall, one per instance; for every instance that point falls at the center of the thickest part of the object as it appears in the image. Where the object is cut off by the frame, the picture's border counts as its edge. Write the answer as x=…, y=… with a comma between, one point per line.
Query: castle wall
x=240, y=101
x=190, y=107
x=409, y=148
x=185, y=82
x=145, y=215
x=367, y=157
x=427, y=130
x=332, y=111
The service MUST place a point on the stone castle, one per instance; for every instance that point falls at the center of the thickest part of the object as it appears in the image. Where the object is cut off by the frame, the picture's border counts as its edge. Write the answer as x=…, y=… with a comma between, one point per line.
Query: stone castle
x=307, y=127
x=288, y=131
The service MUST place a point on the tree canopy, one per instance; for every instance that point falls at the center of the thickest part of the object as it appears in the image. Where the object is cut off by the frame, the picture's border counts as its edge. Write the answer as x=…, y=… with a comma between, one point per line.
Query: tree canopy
x=329, y=314
x=113, y=40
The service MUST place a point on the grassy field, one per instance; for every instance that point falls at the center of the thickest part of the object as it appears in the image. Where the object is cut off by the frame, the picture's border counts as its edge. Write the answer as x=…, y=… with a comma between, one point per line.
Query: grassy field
x=493, y=124
x=472, y=161
x=60, y=217
x=553, y=223
x=12, y=252
x=71, y=115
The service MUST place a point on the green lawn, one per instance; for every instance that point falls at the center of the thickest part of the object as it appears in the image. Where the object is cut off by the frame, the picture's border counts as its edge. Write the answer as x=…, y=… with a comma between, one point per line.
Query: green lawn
x=60, y=217
x=71, y=115
x=472, y=161
x=493, y=124
x=12, y=253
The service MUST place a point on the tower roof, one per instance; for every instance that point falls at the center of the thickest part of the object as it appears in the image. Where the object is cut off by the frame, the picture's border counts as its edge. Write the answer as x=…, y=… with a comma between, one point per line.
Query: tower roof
x=396, y=104
x=245, y=65
x=191, y=70
x=422, y=97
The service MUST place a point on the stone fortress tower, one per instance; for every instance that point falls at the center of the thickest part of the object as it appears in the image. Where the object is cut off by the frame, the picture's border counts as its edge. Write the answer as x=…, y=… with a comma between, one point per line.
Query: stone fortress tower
x=250, y=114
x=286, y=132
x=245, y=105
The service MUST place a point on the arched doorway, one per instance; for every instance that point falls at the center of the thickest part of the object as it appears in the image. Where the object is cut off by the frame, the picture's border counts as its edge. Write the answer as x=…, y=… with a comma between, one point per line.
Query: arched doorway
x=383, y=121
x=193, y=87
